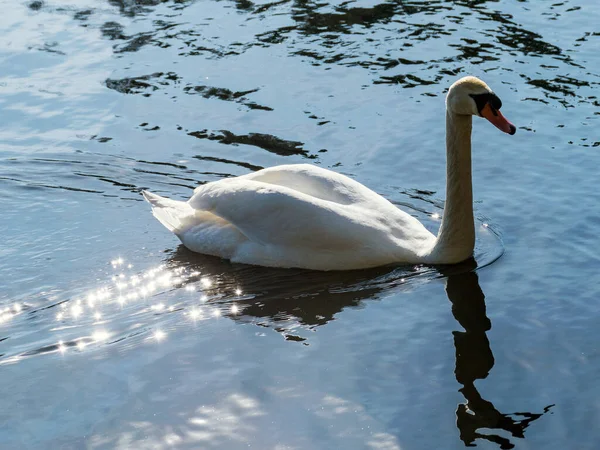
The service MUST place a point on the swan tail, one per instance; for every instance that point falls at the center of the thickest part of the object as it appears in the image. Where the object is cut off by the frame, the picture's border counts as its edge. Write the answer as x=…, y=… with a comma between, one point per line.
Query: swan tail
x=171, y=213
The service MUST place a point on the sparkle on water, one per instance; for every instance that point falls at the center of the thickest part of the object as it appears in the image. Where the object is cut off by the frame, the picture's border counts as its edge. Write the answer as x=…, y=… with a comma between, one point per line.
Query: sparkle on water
x=80, y=316
x=195, y=314
x=100, y=335
x=103, y=99
x=122, y=290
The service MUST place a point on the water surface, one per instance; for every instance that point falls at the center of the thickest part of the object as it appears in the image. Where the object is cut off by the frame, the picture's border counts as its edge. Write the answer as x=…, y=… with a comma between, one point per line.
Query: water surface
x=113, y=336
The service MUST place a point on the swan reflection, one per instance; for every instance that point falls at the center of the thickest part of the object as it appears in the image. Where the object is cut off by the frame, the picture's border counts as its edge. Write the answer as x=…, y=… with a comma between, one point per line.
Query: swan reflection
x=474, y=361
x=286, y=299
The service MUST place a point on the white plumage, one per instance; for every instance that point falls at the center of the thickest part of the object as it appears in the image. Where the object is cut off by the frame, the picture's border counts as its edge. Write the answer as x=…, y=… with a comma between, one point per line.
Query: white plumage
x=294, y=216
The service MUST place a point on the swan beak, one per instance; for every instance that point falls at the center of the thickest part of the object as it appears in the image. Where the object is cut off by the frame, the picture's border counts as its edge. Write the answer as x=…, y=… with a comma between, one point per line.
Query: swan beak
x=497, y=119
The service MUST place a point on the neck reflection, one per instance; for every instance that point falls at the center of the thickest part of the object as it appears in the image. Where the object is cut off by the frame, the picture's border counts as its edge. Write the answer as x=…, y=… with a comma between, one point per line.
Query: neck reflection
x=474, y=361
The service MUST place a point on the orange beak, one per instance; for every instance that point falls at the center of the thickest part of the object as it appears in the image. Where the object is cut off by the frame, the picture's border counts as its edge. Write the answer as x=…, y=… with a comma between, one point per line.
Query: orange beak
x=497, y=119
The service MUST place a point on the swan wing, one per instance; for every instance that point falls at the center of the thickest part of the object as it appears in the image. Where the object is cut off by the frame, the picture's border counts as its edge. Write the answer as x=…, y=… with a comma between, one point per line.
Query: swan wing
x=270, y=214
x=308, y=209
x=318, y=183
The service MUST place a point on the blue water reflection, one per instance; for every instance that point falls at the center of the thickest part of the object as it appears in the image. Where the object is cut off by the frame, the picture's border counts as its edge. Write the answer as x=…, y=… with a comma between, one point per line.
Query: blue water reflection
x=113, y=337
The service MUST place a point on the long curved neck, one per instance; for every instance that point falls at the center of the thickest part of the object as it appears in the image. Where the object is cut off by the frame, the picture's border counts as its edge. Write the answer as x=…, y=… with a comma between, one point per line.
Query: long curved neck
x=456, y=237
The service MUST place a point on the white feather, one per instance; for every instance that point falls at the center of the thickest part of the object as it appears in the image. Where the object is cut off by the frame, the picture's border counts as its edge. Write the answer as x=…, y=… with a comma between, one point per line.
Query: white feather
x=295, y=216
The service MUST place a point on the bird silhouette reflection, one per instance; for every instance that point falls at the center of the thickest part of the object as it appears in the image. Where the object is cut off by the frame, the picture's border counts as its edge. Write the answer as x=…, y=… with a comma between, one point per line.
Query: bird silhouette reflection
x=474, y=360
x=311, y=299
x=281, y=297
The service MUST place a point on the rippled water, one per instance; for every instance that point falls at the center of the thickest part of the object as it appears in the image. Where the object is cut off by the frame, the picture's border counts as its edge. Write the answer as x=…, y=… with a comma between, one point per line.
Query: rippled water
x=112, y=336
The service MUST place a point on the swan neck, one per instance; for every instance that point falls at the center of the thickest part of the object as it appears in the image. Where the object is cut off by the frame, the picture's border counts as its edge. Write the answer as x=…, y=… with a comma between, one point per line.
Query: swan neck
x=456, y=237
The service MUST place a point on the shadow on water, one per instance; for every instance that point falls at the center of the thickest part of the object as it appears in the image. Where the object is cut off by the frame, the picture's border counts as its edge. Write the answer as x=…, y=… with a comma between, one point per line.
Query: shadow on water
x=287, y=299
x=474, y=361
x=284, y=299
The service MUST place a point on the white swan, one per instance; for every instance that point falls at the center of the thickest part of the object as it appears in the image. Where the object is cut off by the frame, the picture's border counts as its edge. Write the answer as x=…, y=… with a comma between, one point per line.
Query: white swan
x=309, y=217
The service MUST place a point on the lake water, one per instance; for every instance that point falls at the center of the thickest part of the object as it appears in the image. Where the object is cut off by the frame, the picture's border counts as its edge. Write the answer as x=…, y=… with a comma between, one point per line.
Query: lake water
x=113, y=336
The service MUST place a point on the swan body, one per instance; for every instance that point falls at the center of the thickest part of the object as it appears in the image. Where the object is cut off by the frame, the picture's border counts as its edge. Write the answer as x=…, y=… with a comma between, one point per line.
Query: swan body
x=308, y=217
x=294, y=216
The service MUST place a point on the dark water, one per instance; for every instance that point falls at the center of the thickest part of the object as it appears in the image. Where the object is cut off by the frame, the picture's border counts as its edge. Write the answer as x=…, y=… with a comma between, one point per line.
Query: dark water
x=111, y=336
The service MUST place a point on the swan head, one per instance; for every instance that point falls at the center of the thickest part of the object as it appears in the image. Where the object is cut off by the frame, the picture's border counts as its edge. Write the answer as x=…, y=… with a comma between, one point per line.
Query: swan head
x=472, y=97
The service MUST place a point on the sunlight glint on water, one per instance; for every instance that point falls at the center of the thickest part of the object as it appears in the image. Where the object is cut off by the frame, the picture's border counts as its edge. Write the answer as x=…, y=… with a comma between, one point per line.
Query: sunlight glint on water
x=101, y=99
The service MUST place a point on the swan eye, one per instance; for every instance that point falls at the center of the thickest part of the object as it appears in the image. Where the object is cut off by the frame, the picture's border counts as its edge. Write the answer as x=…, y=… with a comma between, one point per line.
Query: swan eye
x=495, y=102
x=488, y=98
